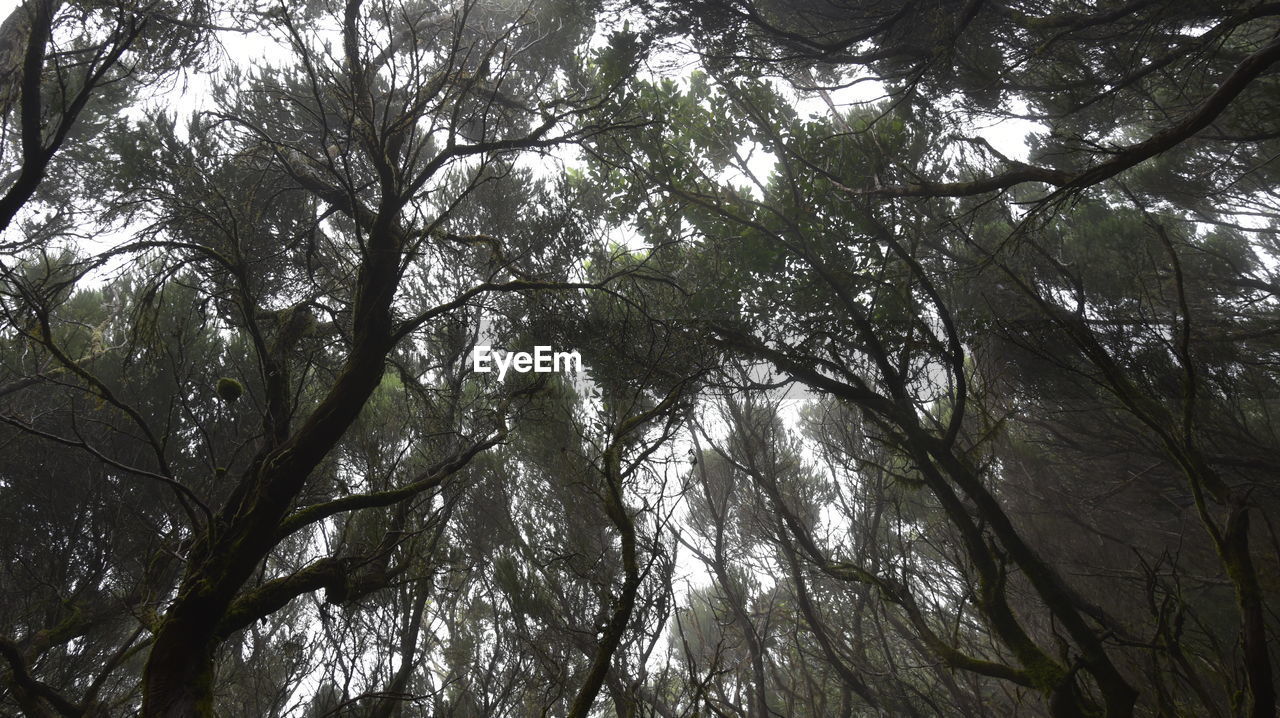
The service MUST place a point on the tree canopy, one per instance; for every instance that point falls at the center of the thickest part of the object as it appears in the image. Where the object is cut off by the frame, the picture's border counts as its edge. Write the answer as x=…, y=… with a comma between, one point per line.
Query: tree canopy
x=929, y=358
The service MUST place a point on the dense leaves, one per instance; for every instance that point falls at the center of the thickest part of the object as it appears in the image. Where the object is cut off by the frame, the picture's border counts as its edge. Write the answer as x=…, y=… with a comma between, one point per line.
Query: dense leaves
x=882, y=411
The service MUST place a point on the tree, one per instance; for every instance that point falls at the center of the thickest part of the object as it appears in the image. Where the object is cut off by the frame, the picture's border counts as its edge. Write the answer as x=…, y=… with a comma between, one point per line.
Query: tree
x=1114, y=84
x=64, y=68
x=348, y=163
x=875, y=419
x=872, y=302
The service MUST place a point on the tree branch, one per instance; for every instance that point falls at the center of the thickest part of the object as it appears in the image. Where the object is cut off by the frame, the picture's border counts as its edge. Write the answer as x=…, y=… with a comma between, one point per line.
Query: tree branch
x=1204, y=114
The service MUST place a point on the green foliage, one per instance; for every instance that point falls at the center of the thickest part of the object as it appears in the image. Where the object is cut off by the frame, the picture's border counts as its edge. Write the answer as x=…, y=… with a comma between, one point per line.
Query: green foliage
x=229, y=389
x=876, y=417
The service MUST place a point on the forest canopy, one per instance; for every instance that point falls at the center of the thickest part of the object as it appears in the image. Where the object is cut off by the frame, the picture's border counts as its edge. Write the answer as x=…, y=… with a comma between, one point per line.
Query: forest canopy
x=929, y=358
